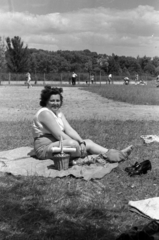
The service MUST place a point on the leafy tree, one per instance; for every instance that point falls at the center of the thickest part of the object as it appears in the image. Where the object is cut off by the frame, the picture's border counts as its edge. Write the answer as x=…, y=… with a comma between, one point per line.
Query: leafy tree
x=149, y=68
x=88, y=66
x=33, y=63
x=144, y=61
x=125, y=71
x=155, y=61
x=2, y=55
x=133, y=66
x=114, y=66
x=157, y=71
x=64, y=66
x=130, y=65
x=86, y=61
x=75, y=67
x=103, y=62
x=17, y=56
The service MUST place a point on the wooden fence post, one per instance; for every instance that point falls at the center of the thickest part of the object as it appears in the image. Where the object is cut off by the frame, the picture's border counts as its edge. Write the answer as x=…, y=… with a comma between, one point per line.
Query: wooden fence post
x=44, y=79
x=9, y=75
x=61, y=78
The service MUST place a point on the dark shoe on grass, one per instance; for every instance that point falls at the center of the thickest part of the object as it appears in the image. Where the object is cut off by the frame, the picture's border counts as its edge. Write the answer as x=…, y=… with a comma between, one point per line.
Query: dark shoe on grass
x=139, y=168
x=132, y=168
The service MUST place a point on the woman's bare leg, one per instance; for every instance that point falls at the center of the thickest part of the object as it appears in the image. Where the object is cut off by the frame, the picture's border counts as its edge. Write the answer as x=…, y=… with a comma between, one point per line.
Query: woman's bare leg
x=68, y=143
x=94, y=148
x=91, y=147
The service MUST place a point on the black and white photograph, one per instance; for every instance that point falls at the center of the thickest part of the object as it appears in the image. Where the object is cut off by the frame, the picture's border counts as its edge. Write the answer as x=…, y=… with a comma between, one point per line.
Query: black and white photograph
x=79, y=122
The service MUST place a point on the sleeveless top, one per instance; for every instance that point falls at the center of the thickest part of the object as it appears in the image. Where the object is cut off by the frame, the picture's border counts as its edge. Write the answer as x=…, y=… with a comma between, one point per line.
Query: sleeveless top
x=38, y=129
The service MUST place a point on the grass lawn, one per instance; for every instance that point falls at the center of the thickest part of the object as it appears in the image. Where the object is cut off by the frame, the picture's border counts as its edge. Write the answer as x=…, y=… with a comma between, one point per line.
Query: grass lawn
x=135, y=94
x=147, y=95
x=60, y=209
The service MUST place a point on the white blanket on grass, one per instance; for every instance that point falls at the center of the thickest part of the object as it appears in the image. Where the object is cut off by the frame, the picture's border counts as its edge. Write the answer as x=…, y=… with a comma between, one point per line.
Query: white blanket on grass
x=148, y=208
x=21, y=161
x=149, y=138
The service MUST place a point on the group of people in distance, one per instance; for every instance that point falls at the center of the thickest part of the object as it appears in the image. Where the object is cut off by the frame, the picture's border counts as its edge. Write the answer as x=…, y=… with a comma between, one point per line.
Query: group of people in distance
x=50, y=125
x=92, y=78
x=109, y=79
x=73, y=79
x=136, y=82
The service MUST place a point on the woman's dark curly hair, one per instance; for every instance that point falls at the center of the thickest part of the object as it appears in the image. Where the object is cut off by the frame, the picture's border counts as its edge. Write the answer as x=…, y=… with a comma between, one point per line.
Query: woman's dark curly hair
x=47, y=92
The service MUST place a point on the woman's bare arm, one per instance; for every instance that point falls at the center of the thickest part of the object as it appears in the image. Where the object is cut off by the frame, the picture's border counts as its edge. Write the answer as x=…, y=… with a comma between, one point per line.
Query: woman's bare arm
x=70, y=131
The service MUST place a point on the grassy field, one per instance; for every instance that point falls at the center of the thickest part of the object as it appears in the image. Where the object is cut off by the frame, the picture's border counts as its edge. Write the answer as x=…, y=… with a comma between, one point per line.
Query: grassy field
x=147, y=95
x=60, y=209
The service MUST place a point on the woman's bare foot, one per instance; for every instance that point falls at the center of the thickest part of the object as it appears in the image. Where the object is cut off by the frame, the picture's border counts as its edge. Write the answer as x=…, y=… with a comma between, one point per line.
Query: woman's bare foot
x=128, y=150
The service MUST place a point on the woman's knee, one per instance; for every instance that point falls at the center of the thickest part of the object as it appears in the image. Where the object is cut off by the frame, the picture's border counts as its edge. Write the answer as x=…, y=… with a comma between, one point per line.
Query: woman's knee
x=72, y=143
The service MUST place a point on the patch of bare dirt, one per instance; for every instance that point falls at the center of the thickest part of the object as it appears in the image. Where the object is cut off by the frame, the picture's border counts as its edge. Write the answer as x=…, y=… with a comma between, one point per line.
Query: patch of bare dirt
x=20, y=103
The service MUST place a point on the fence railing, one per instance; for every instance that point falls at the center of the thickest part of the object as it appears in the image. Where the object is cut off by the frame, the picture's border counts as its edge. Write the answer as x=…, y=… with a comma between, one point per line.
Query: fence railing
x=63, y=78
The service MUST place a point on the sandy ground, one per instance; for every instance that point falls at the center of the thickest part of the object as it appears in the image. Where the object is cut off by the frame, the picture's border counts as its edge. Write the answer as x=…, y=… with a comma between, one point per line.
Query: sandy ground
x=20, y=103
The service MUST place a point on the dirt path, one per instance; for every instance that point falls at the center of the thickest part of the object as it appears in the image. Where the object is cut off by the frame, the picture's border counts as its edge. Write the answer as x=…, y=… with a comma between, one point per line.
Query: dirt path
x=20, y=103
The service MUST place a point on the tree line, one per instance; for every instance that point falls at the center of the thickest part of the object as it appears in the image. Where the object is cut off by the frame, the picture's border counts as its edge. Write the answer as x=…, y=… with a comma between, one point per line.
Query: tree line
x=15, y=57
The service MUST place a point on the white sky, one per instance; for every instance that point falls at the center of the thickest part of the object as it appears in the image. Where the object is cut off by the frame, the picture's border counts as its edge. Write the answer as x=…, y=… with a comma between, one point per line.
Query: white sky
x=122, y=27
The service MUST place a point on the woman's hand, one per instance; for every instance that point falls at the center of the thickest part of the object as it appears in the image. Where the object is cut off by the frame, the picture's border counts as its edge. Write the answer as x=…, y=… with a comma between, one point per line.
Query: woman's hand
x=83, y=150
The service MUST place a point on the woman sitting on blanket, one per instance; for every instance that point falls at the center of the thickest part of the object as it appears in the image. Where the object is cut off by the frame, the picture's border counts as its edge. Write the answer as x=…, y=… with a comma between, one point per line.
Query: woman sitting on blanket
x=50, y=124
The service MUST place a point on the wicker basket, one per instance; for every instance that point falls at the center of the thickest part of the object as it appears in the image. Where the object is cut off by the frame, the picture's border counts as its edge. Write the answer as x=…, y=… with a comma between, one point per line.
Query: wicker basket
x=61, y=161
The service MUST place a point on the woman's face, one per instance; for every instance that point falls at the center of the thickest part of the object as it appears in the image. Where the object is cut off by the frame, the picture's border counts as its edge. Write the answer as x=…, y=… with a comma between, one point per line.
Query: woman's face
x=54, y=103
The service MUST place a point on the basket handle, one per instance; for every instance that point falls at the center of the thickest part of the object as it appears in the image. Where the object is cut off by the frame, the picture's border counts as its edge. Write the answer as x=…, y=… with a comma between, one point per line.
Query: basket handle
x=61, y=145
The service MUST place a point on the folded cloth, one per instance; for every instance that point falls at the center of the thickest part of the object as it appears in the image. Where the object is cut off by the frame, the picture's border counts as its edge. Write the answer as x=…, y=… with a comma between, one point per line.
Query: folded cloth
x=148, y=208
x=149, y=138
x=112, y=156
x=22, y=161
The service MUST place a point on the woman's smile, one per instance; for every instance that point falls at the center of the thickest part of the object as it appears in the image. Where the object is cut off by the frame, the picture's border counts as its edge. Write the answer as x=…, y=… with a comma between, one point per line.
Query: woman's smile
x=54, y=103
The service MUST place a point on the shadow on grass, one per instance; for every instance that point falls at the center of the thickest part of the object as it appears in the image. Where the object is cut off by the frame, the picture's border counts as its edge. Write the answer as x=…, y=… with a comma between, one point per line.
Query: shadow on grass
x=25, y=217
x=36, y=222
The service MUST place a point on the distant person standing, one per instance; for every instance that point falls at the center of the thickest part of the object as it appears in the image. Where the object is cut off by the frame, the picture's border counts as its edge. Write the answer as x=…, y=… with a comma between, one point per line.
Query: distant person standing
x=74, y=76
x=28, y=81
x=92, y=78
x=136, y=78
x=110, y=78
x=36, y=80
